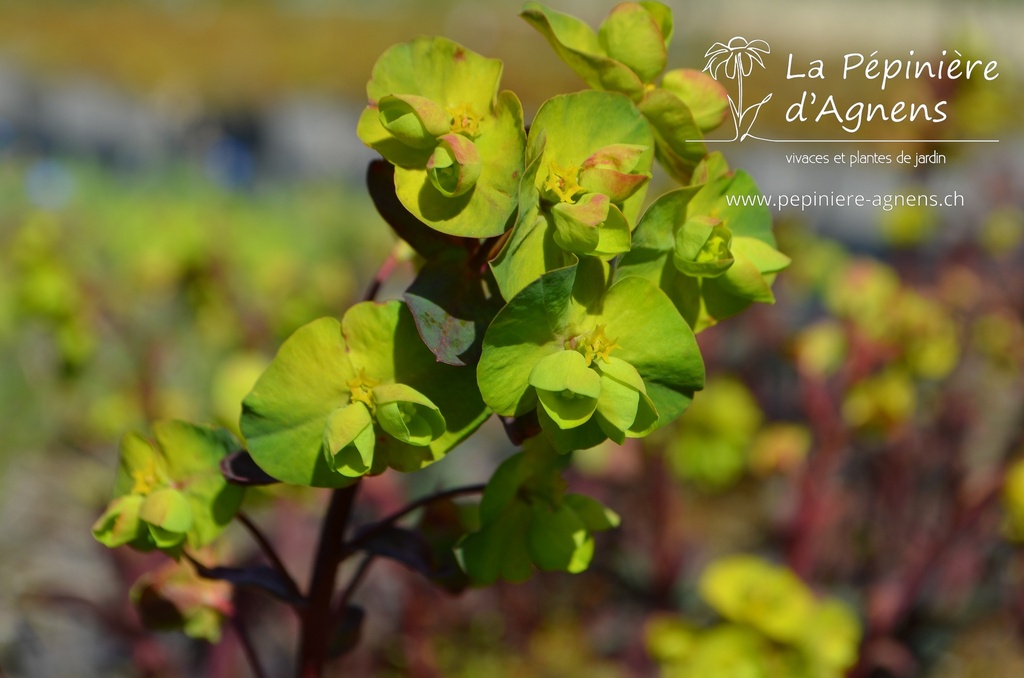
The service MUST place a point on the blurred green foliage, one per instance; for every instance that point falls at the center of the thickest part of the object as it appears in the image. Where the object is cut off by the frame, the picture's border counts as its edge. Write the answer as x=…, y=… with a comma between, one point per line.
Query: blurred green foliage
x=772, y=626
x=136, y=299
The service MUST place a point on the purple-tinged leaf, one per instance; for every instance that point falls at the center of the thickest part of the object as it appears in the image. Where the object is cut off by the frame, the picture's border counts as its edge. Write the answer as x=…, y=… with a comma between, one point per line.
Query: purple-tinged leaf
x=415, y=551
x=380, y=179
x=238, y=468
x=451, y=307
x=258, y=576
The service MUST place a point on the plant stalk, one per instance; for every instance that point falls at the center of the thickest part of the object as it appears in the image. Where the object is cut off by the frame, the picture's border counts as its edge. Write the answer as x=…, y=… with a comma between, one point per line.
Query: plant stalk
x=316, y=619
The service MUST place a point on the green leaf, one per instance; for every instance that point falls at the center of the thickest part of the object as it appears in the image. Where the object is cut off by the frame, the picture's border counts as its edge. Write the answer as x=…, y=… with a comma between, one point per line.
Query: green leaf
x=677, y=136
x=591, y=127
x=139, y=466
x=530, y=251
x=570, y=131
x=569, y=440
x=349, y=440
x=662, y=15
x=171, y=489
x=524, y=332
x=578, y=46
x=762, y=255
x=632, y=35
x=743, y=280
x=656, y=341
x=499, y=550
x=565, y=308
x=618, y=405
x=705, y=97
x=483, y=211
x=452, y=306
x=595, y=516
x=503, y=486
x=284, y=416
x=558, y=540
x=526, y=518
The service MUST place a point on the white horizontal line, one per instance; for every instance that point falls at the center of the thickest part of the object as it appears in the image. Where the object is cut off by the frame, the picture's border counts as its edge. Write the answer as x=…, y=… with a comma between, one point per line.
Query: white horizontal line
x=850, y=141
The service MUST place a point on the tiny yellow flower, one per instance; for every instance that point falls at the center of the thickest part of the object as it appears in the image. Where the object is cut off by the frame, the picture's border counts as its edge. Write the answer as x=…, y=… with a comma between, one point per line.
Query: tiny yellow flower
x=361, y=387
x=563, y=181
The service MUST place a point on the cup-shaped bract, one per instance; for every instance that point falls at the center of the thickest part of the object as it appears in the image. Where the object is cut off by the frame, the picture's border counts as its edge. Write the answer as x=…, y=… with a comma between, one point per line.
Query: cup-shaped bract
x=611, y=171
x=637, y=35
x=566, y=387
x=120, y=524
x=627, y=54
x=702, y=247
x=454, y=166
x=709, y=246
x=408, y=415
x=589, y=158
x=642, y=353
x=349, y=440
x=624, y=409
x=413, y=120
x=628, y=51
x=456, y=142
x=169, y=491
x=342, y=400
x=527, y=520
x=167, y=515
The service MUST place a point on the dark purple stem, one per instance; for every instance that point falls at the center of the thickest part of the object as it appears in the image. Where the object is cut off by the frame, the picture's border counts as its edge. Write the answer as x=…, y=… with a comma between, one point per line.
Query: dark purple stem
x=268, y=551
x=316, y=620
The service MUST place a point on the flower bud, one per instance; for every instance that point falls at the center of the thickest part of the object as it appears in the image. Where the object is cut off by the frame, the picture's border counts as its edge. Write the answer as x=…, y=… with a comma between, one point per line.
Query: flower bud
x=455, y=165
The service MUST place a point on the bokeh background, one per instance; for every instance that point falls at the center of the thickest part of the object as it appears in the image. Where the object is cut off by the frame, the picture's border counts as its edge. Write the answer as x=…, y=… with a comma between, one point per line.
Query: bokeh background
x=181, y=187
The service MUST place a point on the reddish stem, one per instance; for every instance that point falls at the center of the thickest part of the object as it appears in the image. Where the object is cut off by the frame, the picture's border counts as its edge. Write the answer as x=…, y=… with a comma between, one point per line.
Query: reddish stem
x=316, y=619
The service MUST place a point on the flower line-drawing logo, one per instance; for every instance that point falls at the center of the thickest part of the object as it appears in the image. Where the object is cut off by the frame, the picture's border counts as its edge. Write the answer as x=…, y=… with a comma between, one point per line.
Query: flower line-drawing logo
x=736, y=59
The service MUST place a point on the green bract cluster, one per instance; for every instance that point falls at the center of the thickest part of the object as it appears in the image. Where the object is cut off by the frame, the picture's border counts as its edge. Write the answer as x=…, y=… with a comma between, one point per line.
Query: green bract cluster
x=527, y=518
x=627, y=54
x=772, y=626
x=169, y=492
x=456, y=143
x=343, y=400
x=709, y=251
x=588, y=161
x=541, y=295
x=599, y=363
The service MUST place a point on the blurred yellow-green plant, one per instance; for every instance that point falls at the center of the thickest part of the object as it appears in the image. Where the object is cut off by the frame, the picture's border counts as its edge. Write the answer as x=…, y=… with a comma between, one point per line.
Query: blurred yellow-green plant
x=771, y=625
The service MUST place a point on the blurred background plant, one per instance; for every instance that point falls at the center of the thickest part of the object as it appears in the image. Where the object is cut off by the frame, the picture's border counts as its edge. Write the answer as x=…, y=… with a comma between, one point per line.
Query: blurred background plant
x=182, y=187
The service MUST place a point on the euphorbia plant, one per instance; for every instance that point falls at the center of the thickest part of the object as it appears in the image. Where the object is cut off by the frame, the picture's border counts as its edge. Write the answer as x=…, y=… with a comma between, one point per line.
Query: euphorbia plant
x=542, y=296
